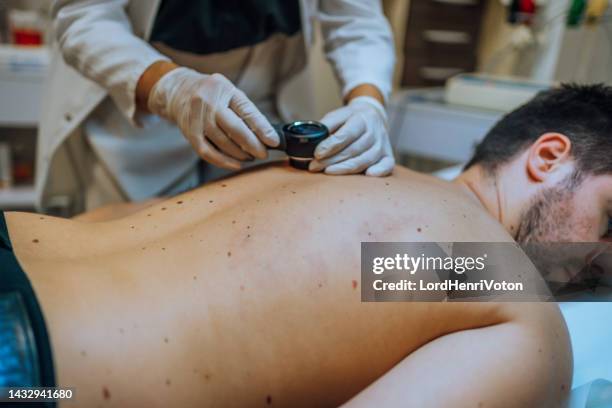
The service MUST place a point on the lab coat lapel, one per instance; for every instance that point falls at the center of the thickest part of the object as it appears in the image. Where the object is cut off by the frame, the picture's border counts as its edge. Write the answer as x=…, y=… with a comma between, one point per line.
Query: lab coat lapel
x=142, y=14
x=308, y=10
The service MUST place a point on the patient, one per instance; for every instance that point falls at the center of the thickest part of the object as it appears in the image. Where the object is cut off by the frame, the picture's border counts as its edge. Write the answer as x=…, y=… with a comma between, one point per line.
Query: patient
x=246, y=292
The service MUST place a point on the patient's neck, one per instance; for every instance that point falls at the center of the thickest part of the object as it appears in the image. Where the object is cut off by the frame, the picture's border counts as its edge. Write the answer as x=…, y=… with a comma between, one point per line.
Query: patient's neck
x=488, y=189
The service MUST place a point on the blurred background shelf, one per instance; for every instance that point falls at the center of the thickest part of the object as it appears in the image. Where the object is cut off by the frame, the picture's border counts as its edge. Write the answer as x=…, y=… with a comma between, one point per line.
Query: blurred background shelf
x=17, y=197
x=22, y=74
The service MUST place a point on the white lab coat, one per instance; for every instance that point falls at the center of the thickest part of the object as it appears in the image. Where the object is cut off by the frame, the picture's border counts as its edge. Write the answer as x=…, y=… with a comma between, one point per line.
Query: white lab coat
x=102, y=51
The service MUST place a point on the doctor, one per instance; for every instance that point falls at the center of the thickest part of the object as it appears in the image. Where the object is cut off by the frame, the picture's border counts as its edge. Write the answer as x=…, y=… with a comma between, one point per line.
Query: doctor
x=141, y=91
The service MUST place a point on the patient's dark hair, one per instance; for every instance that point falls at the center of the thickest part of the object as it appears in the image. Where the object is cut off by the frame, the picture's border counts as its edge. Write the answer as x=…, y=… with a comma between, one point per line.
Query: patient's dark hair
x=583, y=113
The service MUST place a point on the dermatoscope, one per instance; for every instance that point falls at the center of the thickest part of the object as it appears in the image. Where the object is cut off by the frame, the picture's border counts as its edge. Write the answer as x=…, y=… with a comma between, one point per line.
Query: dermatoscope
x=299, y=140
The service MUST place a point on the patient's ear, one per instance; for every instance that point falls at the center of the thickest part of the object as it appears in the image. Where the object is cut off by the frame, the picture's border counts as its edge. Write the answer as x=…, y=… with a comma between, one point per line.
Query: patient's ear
x=547, y=155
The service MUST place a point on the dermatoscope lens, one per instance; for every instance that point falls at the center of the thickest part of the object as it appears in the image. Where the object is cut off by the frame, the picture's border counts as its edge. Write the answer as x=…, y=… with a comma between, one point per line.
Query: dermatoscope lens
x=301, y=139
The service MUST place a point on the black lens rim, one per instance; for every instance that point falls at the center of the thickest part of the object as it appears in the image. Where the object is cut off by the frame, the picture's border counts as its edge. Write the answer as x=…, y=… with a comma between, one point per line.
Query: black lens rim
x=319, y=130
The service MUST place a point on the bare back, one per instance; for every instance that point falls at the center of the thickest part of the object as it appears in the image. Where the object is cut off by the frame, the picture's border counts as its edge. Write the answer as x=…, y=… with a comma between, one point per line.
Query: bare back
x=245, y=288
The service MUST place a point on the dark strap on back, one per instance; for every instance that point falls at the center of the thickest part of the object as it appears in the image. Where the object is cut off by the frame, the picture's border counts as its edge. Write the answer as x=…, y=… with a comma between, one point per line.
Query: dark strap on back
x=5, y=241
x=23, y=313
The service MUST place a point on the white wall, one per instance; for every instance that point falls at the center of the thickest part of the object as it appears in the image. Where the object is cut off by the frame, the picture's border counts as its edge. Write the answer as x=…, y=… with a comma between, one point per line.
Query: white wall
x=586, y=55
x=537, y=60
x=561, y=53
x=397, y=13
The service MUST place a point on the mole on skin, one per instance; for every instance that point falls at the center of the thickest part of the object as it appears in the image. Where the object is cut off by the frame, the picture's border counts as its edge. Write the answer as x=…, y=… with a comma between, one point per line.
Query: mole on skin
x=106, y=393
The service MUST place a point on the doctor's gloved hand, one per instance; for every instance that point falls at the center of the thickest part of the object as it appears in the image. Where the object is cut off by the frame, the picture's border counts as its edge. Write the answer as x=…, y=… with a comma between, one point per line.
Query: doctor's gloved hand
x=219, y=121
x=359, y=140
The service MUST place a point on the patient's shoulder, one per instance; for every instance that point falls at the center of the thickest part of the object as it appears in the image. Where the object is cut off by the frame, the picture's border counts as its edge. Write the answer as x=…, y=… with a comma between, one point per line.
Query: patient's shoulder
x=457, y=215
x=403, y=207
x=422, y=207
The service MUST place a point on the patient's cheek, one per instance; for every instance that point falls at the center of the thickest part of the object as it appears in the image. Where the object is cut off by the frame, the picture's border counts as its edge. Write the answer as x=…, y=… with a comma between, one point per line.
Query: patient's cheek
x=586, y=229
x=568, y=222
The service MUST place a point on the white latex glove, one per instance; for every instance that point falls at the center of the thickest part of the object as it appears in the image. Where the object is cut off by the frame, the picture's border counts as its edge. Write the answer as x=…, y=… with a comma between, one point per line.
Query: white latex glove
x=218, y=119
x=359, y=140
